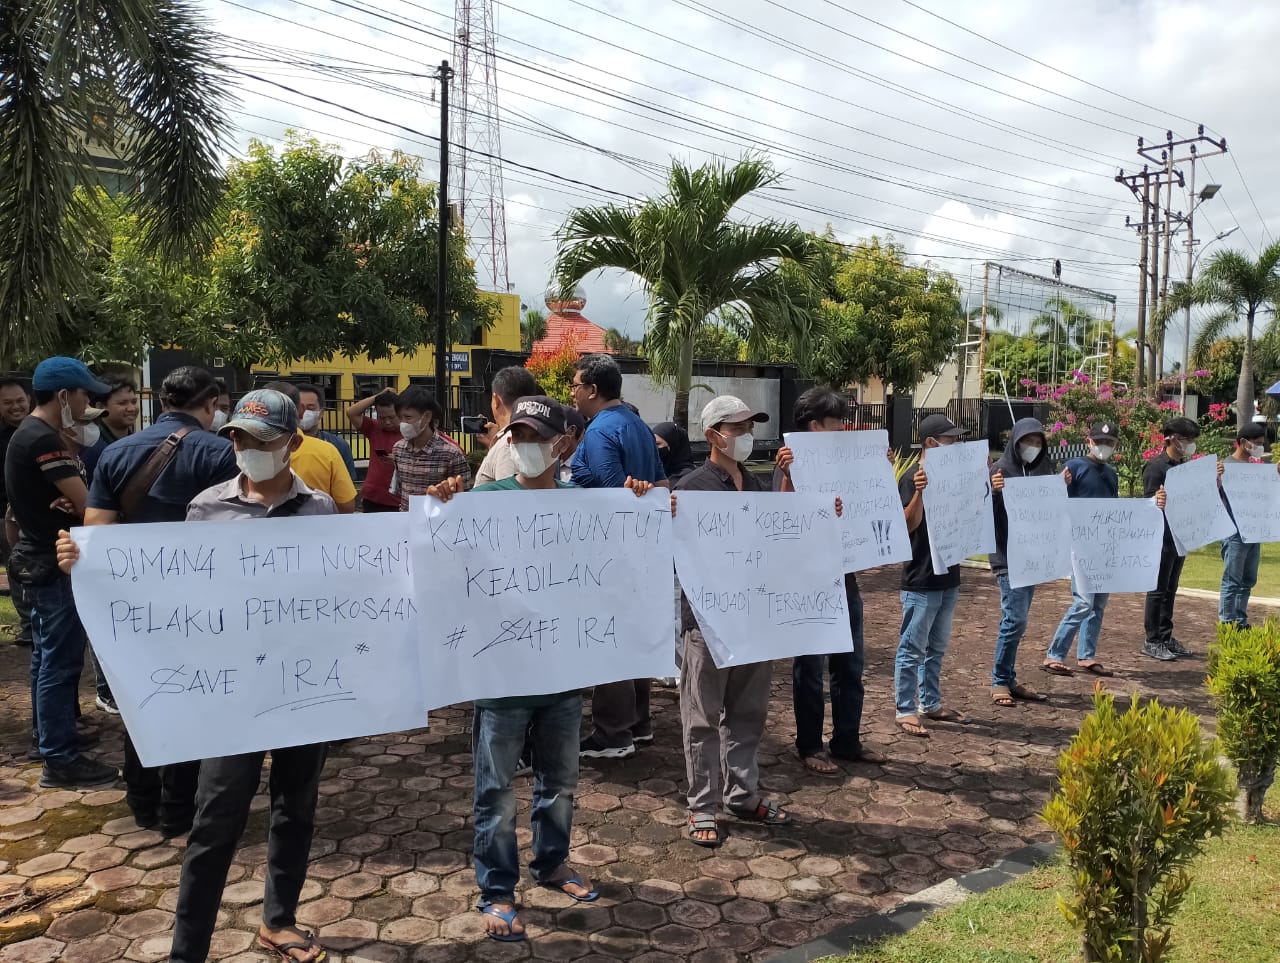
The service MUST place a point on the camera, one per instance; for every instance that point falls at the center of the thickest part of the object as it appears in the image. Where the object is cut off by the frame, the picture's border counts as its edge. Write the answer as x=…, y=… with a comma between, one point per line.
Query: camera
x=474, y=424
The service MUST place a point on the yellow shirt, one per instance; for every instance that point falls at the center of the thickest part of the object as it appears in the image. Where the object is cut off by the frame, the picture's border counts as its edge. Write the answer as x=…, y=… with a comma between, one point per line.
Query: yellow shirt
x=320, y=467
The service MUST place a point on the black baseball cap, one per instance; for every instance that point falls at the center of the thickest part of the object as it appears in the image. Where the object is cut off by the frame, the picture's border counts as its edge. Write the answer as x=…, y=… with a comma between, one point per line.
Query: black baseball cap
x=544, y=415
x=940, y=426
x=1104, y=431
x=1253, y=431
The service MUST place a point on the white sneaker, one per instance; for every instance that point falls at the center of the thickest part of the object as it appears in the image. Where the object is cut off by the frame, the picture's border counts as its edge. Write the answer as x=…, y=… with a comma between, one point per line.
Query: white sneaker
x=107, y=705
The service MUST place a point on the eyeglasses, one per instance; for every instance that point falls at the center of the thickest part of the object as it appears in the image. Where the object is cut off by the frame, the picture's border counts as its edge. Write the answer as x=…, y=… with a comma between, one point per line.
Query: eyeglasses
x=577, y=384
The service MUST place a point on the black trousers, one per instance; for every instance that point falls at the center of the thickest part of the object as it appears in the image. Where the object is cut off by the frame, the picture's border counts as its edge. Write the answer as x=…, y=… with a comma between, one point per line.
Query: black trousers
x=620, y=711
x=227, y=787
x=165, y=792
x=1159, y=611
x=846, y=690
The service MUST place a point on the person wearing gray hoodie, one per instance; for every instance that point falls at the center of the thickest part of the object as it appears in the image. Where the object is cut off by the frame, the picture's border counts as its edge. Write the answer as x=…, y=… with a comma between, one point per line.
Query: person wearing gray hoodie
x=1025, y=456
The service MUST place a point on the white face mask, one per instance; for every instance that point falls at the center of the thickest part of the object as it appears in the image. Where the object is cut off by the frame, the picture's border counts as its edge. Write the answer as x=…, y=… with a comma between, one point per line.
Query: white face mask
x=88, y=434
x=409, y=431
x=1188, y=448
x=532, y=458
x=1030, y=453
x=259, y=465
x=740, y=448
x=68, y=419
x=309, y=420
x=1259, y=451
x=219, y=419
x=1103, y=452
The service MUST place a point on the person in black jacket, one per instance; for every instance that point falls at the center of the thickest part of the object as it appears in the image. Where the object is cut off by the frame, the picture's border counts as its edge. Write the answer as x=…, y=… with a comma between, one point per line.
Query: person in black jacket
x=1025, y=456
x=674, y=450
x=1180, y=436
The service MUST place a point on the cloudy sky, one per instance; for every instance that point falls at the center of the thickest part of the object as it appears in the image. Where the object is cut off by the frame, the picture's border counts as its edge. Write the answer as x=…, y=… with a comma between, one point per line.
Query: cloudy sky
x=995, y=136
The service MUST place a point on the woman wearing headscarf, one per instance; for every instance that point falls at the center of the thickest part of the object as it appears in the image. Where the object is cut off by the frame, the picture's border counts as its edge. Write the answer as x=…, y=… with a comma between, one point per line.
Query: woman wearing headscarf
x=673, y=448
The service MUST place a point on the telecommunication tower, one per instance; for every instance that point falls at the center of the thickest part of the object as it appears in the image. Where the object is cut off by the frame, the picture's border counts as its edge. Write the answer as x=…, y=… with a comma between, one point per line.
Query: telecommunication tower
x=476, y=141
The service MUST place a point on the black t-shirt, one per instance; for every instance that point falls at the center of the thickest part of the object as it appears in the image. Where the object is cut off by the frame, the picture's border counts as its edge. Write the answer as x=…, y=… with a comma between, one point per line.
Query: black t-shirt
x=917, y=574
x=37, y=458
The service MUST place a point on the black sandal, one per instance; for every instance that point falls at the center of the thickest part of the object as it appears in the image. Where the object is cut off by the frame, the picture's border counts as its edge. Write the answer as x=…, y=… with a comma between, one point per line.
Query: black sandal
x=704, y=823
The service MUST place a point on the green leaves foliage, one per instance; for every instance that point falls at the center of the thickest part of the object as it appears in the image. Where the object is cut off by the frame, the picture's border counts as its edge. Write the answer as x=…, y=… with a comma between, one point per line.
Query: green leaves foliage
x=694, y=261
x=1244, y=680
x=150, y=65
x=1137, y=793
x=881, y=317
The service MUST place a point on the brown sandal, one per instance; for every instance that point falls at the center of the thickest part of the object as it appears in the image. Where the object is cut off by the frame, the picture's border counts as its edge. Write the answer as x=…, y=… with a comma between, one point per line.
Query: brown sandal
x=1020, y=691
x=284, y=950
x=1055, y=668
x=1002, y=696
x=913, y=727
x=821, y=764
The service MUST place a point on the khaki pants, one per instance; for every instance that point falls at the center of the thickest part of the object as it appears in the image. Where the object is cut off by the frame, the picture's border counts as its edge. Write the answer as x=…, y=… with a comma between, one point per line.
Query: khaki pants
x=722, y=712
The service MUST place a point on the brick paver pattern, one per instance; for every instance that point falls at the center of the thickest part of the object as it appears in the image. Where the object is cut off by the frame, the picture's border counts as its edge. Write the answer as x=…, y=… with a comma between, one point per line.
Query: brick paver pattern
x=391, y=880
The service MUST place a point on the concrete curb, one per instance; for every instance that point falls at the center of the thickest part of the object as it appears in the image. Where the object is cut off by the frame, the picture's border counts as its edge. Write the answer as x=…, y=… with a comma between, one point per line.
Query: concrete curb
x=915, y=909
x=1190, y=593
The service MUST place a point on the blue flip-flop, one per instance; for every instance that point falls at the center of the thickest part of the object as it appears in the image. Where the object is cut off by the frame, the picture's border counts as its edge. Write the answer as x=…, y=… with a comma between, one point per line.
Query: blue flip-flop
x=508, y=917
x=574, y=880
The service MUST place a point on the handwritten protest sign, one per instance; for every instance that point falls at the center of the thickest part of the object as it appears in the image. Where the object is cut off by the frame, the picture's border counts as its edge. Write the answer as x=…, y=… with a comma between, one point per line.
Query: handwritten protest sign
x=1194, y=508
x=957, y=503
x=852, y=465
x=1039, y=547
x=1115, y=544
x=536, y=592
x=762, y=572
x=1254, y=494
x=227, y=637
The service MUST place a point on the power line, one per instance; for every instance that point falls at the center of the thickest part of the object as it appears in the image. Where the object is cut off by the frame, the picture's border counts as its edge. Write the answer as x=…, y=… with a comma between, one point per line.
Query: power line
x=1041, y=63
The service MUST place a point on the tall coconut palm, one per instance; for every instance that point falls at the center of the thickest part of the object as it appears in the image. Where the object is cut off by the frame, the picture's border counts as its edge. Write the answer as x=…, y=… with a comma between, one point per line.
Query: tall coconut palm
x=65, y=65
x=693, y=261
x=1237, y=287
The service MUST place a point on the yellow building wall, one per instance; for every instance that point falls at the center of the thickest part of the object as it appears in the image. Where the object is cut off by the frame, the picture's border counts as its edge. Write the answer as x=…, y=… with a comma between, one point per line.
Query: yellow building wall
x=503, y=335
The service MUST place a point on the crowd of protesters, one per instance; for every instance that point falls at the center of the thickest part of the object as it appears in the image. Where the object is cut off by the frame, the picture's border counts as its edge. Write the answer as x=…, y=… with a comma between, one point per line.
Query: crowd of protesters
x=73, y=454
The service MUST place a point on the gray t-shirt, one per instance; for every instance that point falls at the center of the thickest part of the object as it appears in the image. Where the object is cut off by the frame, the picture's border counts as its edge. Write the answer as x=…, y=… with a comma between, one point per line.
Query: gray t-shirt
x=227, y=502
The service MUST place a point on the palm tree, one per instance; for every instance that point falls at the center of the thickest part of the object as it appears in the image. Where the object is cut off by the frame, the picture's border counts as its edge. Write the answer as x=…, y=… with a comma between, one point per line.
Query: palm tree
x=1238, y=288
x=66, y=68
x=694, y=261
x=532, y=329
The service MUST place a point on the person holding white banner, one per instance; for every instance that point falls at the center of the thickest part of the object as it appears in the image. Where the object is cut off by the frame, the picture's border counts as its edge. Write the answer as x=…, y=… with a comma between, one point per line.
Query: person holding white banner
x=723, y=711
x=928, y=600
x=1239, y=558
x=1180, y=436
x=264, y=432
x=550, y=722
x=1024, y=457
x=821, y=409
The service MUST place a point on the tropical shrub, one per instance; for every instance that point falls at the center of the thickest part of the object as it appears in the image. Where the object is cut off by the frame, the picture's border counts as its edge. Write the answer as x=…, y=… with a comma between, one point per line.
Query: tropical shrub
x=554, y=369
x=1244, y=680
x=1138, y=791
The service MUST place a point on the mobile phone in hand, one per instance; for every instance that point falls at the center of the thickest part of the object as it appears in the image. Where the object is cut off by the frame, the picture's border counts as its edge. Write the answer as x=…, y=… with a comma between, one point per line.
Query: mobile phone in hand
x=474, y=424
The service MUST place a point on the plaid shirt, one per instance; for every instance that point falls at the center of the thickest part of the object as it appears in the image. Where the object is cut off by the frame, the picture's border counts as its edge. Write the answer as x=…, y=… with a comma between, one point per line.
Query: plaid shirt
x=417, y=469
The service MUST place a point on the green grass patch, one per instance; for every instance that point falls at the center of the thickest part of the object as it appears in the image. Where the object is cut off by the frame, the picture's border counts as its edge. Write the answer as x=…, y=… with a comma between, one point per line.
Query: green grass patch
x=1203, y=569
x=8, y=615
x=1231, y=913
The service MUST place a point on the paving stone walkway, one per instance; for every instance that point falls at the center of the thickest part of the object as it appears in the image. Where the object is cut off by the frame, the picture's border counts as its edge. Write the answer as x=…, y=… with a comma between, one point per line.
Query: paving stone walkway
x=391, y=880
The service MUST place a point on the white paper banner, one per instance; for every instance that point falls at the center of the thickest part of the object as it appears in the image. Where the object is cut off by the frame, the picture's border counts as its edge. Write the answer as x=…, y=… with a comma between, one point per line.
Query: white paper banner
x=1193, y=506
x=854, y=466
x=1115, y=544
x=957, y=503
x=1254, y=493
x=1039, y=548
x=227, y=637
x=762, y=572
x=536, y=592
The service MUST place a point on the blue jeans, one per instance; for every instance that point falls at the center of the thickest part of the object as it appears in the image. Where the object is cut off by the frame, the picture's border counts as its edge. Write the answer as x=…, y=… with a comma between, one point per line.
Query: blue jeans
x=926, y=631
x=1239, y=576
x=1015, y=604
x=497, y=736
x=57, y=659
x=1085, y=617
x=846, y=690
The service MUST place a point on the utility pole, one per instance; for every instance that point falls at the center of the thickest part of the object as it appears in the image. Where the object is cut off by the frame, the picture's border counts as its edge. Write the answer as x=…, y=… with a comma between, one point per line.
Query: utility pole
x=443, y=344
x=1144, y=195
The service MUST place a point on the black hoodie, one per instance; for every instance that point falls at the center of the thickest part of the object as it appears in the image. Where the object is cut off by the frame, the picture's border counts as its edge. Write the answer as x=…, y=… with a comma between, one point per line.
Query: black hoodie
x=1013, y=466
